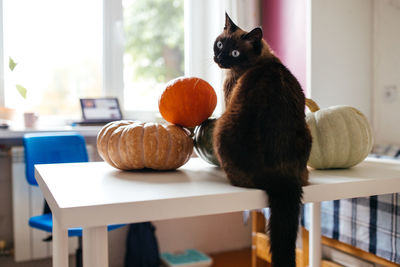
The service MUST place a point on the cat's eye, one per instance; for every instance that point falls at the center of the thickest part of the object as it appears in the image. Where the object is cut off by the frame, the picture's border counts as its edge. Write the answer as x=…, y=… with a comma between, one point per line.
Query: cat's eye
x=220, y=45
x=235, y=53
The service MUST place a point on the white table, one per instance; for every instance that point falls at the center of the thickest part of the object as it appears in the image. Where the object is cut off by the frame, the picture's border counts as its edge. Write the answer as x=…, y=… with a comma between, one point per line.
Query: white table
x=92, y=195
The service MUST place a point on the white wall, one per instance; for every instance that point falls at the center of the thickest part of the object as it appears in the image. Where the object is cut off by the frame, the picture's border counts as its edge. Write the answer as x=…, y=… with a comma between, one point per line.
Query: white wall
x=386, y=71
x=340, y=55
x=354, y=59
x=210, y=234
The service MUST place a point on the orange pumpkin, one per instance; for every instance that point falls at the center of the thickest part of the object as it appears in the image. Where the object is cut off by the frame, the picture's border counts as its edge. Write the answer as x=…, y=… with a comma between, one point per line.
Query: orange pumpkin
x=130, y=145
x=187, y=101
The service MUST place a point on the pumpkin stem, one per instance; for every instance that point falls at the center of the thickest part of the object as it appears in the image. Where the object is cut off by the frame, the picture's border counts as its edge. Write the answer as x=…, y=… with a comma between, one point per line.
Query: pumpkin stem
x=312, y=106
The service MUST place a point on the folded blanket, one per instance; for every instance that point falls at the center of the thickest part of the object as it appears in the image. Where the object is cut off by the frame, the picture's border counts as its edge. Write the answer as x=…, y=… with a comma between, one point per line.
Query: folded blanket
x=371, y=224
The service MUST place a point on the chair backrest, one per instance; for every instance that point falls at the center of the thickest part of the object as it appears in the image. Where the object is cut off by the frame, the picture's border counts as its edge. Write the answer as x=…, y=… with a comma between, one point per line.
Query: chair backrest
x=54, y=147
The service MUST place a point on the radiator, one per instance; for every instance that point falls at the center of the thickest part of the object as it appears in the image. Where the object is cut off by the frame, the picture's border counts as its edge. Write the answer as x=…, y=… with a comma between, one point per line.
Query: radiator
x=27, y=201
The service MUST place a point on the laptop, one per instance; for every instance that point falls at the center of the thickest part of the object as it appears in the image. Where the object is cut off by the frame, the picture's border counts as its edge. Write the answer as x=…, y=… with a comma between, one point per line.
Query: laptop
x=97, y=111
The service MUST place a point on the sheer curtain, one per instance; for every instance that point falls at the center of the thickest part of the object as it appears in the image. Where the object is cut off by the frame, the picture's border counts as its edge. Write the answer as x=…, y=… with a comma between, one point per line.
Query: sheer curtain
x=247, y=14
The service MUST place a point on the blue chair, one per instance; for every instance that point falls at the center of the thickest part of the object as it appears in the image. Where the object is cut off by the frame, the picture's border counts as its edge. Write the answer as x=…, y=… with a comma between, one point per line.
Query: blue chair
x=54, y=147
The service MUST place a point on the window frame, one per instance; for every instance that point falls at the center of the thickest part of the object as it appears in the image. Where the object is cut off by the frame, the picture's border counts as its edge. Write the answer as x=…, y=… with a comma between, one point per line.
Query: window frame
x=113, y=50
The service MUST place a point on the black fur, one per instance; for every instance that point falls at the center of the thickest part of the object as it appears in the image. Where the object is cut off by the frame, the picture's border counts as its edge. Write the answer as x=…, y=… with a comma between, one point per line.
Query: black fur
x=262, y=140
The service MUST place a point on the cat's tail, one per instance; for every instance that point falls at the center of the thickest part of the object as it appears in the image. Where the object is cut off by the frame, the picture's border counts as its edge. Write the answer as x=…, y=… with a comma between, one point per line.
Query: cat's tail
x=285, y=195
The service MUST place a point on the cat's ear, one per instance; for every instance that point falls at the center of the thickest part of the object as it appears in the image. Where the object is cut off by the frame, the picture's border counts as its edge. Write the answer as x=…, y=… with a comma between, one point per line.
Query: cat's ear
x=229, y=25
x=255, y=35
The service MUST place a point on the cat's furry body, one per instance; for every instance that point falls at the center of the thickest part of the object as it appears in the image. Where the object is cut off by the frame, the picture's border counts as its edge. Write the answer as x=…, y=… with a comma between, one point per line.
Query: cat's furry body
x=262, y=139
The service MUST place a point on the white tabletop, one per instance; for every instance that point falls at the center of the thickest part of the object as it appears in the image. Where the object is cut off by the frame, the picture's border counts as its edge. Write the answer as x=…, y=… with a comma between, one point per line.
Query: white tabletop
x=93, y=194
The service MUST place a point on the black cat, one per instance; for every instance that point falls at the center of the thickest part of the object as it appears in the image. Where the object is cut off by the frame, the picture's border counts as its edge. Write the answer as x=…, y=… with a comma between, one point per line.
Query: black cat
x=262, y=139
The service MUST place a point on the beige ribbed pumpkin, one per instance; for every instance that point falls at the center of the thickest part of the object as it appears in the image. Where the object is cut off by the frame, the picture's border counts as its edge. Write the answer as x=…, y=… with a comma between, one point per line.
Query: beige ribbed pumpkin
x=131, y=145
x=342, y=136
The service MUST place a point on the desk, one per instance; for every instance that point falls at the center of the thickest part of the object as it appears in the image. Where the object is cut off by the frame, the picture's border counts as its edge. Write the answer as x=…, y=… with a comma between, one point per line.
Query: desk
x=13, y=136
x=94, y=194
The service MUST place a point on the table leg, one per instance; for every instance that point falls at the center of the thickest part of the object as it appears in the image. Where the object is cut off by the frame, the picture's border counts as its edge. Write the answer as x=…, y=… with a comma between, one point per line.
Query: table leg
x=95, y=247
x=60, y=245
x=315, y=235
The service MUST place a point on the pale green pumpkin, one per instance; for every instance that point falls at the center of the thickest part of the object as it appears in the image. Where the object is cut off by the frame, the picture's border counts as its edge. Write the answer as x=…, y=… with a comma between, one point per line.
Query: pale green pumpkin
x=342, y=136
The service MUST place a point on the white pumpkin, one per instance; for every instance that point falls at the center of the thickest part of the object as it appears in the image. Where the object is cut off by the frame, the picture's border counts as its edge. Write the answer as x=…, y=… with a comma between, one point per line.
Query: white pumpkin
x=342, y=136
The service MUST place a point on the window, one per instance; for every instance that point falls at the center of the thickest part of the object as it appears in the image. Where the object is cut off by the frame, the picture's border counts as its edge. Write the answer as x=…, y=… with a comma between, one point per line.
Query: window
x=68, y=49
x=154, y=50
x=57, y=45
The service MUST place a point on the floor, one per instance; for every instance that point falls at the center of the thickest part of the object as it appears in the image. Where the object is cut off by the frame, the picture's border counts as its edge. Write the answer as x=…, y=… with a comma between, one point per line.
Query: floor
x=9, y=262
x=239, y=258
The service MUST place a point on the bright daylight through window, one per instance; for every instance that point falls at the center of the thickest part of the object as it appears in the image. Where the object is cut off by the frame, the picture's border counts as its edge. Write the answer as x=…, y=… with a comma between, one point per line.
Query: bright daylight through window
x=58, y=48
x=154, y=42
x=57, y=45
